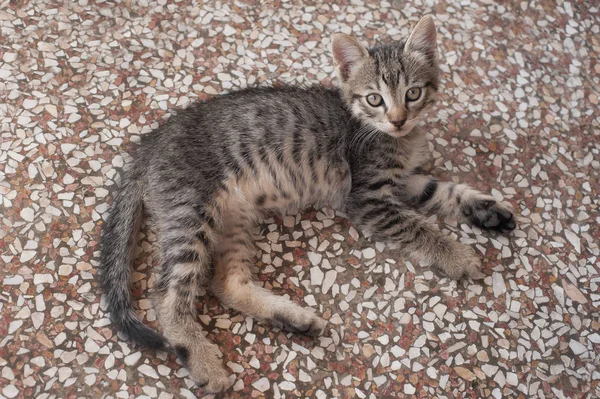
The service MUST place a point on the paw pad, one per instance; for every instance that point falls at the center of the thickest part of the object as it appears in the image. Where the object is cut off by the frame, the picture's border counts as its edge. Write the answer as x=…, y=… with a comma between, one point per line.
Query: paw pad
x=491, y=215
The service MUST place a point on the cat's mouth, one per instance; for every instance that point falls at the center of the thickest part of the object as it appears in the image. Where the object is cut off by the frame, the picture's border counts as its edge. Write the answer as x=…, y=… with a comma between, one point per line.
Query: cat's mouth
x=396, y=131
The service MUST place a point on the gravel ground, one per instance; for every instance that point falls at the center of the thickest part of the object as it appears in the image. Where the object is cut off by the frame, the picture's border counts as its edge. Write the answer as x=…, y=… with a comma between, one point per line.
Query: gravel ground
x=81, y=81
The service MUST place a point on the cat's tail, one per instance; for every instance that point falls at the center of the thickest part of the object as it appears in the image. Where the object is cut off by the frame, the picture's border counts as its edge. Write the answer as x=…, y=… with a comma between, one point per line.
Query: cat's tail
x=116, y=257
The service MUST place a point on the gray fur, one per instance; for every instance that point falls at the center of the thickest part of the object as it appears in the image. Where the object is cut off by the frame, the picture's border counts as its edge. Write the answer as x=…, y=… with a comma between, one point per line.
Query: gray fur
x=211, y=172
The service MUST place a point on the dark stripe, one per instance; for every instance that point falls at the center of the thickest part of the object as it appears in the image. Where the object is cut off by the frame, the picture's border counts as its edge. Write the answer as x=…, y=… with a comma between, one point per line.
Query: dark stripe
x=230, y=161
x=260, y=201
x=200, y=235
x=186, y=256
x=263, y=154
x=435, y=208
x=392, y=222
x=183, y=308
x=293, y=177
x=403, y=72
x=406, y=234
x=280, y=156
x=387, y=83
x=223, y=187
x=311, y=165
x=376, y=213
x=297, y=145
x=210, y=221
x=369, y=111
x=417, y=171
x=183, y=354
x=239, y=242
x=193, y=220
x=186, y=280
x=164, y=279
x=372, y=201
x=394, y=79
x=247, y=158
x=381, y=183
x=264, y=157
x=451, y=190
x=428, y=192
x=203, y=215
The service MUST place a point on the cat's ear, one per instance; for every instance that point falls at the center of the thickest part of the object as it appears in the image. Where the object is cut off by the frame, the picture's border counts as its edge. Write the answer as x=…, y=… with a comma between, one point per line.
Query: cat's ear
x=422, y=39
x=348, y=53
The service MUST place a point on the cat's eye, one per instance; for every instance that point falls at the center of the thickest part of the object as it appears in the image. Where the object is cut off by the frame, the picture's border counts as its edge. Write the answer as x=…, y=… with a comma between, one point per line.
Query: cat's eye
x=413, y=94
x=375, y=100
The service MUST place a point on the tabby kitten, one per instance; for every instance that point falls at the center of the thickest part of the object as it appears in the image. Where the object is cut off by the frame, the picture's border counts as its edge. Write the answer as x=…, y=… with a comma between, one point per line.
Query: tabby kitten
x=212, y=171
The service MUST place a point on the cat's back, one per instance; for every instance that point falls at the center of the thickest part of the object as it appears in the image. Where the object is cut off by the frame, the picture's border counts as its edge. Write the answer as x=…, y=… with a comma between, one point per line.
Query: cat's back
x=238, y=131
x=246, y=114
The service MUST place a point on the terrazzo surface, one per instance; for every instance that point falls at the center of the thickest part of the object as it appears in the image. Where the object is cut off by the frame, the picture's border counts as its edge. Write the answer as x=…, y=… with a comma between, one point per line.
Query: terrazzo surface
x=518, y=117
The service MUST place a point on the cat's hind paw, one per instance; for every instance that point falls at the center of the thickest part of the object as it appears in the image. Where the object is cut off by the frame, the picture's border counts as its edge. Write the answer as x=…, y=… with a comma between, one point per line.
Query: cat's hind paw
x=460, y=261
x=204, y=364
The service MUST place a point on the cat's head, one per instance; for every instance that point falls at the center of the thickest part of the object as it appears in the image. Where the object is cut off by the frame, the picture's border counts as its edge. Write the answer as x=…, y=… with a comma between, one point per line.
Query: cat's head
x=389, y=86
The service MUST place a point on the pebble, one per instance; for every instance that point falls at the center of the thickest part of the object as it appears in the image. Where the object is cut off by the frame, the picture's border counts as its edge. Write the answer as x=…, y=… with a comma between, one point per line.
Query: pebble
x=574, y=293
x=330, y=277
x=262, y=384
x=10, y=391
x=573, y=239
x=577, y=347
x=148, y=370
x=27, y=214
x=465, y=373
x=316, y=276
x=498, y=284
x=133, y=358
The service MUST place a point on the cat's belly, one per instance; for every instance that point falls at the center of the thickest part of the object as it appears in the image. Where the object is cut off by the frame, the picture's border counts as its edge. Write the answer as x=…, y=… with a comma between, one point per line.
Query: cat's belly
x=286, y=189
x=419, y=153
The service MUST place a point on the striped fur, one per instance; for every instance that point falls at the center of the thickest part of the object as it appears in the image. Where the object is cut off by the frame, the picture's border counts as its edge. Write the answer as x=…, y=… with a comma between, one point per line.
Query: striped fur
x=210, y=173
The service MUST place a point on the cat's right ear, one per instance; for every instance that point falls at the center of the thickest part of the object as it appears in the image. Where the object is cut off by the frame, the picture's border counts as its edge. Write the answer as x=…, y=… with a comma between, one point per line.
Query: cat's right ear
x=423, y=38
x=348, y=54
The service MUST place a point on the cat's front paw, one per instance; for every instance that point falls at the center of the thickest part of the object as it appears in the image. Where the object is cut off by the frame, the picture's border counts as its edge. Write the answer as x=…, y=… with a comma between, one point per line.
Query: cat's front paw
x=299, y=320
x=490, y=214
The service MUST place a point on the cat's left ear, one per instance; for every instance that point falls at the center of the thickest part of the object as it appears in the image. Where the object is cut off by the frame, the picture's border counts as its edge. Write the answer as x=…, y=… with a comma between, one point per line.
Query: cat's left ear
x=348, y=53
x=423, y=38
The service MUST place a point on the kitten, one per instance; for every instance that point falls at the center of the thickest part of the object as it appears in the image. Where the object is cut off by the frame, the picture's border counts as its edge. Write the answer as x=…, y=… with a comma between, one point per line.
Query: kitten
x=210, y=173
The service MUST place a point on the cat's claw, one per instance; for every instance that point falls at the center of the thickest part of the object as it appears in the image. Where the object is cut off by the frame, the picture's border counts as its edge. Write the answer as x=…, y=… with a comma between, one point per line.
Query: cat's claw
x=476, y=275
x=307, y=323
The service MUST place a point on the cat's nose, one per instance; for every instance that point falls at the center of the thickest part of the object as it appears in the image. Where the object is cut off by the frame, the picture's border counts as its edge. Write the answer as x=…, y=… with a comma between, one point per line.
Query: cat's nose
x=398, y=123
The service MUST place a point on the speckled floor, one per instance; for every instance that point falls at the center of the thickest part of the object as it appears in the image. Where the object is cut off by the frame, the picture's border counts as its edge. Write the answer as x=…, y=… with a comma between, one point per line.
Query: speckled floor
x=519, y=116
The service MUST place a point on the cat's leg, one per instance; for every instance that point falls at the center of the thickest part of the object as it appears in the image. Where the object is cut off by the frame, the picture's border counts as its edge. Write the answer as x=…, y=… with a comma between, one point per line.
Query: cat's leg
x=186, y=266
x=459, y=200
x=389, y=220
x=234, y=286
